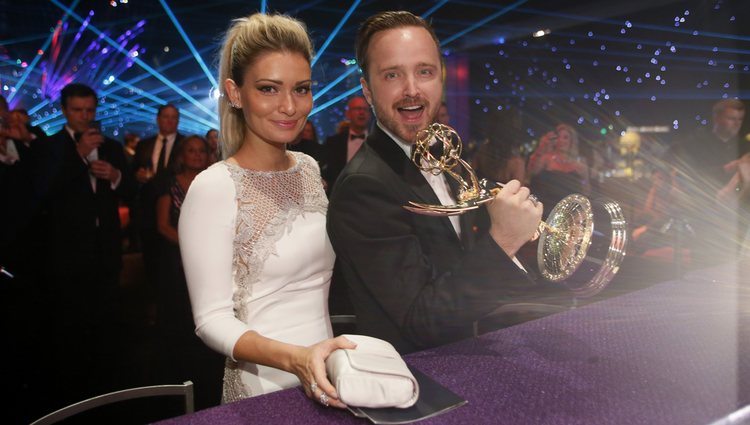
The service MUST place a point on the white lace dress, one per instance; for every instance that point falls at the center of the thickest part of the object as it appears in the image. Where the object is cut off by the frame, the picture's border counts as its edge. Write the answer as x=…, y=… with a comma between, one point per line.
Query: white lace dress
x=257, y=257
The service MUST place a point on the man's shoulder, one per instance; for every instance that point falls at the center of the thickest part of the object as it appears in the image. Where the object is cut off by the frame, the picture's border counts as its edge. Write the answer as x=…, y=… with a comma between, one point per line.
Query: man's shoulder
x=145, y=144
x=148, y=139
x=700, y=142
x=366, y=161
x=113, y=146
x=112, y=142
x=60, y=135
x=336, y=138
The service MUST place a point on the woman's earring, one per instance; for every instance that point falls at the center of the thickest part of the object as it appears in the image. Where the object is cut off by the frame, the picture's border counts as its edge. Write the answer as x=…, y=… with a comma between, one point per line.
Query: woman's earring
x=235, y=105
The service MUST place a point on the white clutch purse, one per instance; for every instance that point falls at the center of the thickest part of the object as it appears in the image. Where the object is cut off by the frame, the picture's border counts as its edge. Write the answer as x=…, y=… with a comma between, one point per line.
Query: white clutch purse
x=372, y=375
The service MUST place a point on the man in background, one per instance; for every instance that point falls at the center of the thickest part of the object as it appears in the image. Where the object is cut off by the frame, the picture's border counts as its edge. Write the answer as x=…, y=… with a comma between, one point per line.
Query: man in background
x=708, y=186
x=84, y=182
x=341, y=147
x=151, y=164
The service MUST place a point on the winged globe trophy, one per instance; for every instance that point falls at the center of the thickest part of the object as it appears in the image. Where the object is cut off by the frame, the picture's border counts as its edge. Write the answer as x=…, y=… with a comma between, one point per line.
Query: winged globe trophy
x=581, y=244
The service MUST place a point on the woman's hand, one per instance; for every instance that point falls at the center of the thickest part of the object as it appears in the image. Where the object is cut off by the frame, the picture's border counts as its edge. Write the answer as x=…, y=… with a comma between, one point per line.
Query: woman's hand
x=309, y=366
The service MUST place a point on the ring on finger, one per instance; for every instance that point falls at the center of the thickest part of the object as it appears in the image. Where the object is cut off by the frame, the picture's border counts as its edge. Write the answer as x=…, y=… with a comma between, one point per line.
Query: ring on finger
x=314, y=387
x=534, y=200
x=324, y=399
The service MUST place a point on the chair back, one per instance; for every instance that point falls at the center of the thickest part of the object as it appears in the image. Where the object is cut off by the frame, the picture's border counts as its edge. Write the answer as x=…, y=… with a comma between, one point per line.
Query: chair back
x=343, y=324
x=184, y=390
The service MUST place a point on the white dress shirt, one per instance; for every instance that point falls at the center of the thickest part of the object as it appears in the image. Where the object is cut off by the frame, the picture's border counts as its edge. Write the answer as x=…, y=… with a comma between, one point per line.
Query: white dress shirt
x=157, y=150
x=440, y=186
x=438, y=183
x=93, y=156
x=353, y=144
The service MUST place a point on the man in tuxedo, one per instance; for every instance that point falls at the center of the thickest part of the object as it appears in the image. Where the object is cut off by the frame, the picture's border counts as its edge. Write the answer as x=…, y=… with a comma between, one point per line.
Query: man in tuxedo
x=709, y=189
x=22, y=311
x=417, y=281
x=83, y=183
x=151, y=165
x=17, y=159
x=341, y=147
x=154, y=154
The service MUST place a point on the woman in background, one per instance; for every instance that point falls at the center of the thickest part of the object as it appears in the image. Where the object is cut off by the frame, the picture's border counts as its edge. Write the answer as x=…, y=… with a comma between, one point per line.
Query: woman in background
x=252, y=230
x=556, y=167
x=212, y=137
x=180, y=355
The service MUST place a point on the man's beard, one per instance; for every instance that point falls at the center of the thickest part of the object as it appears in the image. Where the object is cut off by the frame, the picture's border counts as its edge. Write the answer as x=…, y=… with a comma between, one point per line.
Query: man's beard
x=406, y=132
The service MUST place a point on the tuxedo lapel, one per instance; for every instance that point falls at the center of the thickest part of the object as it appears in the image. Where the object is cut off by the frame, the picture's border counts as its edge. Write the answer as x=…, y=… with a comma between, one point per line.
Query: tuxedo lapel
x=402, y=165
x=175, y=147
x=73, y=165
x=397, y=160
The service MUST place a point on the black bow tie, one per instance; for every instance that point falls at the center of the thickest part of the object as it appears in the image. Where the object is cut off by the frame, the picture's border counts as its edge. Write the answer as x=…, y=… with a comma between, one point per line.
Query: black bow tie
x=356, y=136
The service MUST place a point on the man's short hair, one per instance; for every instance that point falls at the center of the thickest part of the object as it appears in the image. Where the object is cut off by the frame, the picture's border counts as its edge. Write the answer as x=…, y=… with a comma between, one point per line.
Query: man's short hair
x=385, y=21
x=164, y=107
x=75, y=90
x=724, y=104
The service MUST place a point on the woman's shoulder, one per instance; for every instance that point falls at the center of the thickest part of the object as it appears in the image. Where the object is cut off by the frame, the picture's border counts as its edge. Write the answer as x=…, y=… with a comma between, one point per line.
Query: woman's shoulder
x=216, y=171
x=213, y=180
x=305, y=161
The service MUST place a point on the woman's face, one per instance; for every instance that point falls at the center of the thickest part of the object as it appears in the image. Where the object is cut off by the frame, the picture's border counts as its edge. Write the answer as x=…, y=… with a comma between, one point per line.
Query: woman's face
x=213, y=139
x=308, y=133
x=195, y=156
x=275, y=97
x=564, y=141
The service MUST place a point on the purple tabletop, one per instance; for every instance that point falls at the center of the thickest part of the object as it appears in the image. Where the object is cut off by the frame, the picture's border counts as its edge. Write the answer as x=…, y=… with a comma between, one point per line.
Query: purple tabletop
x=675, y=353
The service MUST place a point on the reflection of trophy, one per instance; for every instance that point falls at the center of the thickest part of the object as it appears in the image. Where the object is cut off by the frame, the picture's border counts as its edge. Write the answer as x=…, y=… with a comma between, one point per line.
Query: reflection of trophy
x=581, y=245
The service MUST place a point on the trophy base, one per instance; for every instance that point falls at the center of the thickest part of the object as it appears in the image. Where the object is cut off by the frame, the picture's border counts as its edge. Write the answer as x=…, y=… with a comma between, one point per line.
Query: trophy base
x=588, y=245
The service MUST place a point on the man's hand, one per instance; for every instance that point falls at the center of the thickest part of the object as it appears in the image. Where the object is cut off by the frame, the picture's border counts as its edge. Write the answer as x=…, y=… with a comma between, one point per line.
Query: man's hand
x=514, y=217
x=104, y=170
x=18, y=131
x=143, y=174
x=89, y=140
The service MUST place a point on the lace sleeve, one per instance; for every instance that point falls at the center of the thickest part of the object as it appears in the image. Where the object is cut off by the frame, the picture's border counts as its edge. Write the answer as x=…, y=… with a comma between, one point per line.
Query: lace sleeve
x=207, y=232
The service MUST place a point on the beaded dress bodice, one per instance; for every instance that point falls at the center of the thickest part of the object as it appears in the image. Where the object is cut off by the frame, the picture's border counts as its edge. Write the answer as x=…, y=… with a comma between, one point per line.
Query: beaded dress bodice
x=269, y=206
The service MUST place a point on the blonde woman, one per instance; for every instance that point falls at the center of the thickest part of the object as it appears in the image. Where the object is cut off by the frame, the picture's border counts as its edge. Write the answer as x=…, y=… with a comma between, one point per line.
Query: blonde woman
x=252, y=230
x=556, y=167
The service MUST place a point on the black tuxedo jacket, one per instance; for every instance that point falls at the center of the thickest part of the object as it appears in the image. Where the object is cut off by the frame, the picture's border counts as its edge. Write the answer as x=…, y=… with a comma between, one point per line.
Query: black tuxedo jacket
x=84, y=224
x=145, y=205
x=18, y=193
x=411, y=280
x=335, y=160
x=145, y=149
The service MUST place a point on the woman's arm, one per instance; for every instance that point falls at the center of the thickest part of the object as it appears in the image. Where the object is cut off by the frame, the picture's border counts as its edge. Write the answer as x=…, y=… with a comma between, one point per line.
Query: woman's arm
x=541, y=155
x=308, y=363
x=206, y=235
x=163, y=224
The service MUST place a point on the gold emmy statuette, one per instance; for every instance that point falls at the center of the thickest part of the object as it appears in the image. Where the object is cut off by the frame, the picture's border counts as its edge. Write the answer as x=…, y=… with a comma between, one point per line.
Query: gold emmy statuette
x=581, y=245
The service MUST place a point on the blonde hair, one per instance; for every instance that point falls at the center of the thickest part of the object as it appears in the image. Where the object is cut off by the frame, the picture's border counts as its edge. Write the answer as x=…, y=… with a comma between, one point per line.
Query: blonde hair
x=245, y=41
x=574, y=151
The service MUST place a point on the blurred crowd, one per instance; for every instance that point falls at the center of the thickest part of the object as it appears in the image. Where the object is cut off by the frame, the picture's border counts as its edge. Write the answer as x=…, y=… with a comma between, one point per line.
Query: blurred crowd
x=76, y=203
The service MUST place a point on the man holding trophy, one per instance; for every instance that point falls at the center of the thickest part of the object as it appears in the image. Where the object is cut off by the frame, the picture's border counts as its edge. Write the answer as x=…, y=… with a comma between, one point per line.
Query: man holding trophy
x=414, y=280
